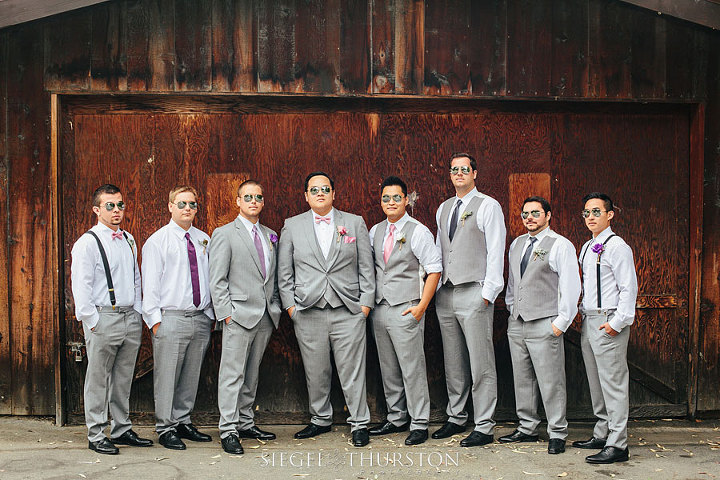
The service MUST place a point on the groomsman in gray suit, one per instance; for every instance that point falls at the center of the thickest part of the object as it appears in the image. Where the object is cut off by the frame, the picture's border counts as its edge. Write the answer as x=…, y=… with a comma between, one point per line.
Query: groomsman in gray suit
x=404, y=249
x=178, y=311
x=106, y=289
x=471, y=234
x=542, y=295
x=327, y=284
x=243, y=285
x=608, y=309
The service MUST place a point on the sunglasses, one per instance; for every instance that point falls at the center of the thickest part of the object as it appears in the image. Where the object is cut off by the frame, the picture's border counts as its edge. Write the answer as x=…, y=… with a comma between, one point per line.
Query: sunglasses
x=396, y=198
x=324, y=189
x=110, y=206
x=534, y=213
x=596, y=212
x=181, y=205
x=464, y=169
x=249, y=198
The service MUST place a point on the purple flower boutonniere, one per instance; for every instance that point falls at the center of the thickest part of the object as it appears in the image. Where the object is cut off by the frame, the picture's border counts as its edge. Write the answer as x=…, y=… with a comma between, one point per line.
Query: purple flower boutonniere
x=273, y=240
x=598, y=248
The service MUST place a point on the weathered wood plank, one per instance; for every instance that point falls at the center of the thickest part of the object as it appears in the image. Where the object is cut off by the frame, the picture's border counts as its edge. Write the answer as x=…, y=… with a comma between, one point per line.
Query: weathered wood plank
x=529, y=56
x=383, y=46
x=569, y=75
x=688, y=54
x=108, y=55
x=488, y=37
x=32, y=347
x=151, y=45
x=193, y=49
x=447, y=47
x=317, y=46
x=67, y=51
x=6, y=358
x=522, y=186
x=648, y=69
x=409, y=39
x=354, y=74
x=234, y=45
x=277, y=47
x=610, y=50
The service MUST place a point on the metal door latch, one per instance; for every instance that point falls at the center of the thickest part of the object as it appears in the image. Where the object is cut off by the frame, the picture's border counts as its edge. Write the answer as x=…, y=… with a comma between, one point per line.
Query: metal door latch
x=76, y=348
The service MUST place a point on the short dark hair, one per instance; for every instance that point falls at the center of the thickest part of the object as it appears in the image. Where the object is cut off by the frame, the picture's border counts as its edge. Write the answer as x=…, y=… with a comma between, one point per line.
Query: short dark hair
x=473, y=163
x=392, y=181
x=535, y=198
x=318, y=174
x=108, y=188
x=249, y=182
x=600, y=196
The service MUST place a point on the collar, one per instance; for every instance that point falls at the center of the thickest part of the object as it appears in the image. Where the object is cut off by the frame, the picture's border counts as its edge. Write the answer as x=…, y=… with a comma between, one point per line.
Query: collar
x=105, y=230
x=468, y=196
x=178, y=230
x=602, y=236
x=539, y=236
x=248, y=224
x=330, y=214
x=400, y=224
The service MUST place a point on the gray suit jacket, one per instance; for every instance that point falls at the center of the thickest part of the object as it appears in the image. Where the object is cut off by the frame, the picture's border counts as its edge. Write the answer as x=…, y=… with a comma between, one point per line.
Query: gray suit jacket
x=304, y=274
x=237, y=287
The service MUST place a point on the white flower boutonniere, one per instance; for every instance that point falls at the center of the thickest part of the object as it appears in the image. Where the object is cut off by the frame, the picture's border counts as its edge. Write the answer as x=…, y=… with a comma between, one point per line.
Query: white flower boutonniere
x=400, y=238
x=204, y=244
x=539, y=253
x=465, y=215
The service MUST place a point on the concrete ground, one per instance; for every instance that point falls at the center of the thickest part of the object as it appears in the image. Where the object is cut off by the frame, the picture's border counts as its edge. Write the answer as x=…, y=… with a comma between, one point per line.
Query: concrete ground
x=32, y=448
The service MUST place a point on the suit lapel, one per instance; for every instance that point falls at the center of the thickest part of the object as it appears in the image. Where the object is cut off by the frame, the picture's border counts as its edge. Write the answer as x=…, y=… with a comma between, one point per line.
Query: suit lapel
x=335, y=244
x=249, y=242
x=308, y=226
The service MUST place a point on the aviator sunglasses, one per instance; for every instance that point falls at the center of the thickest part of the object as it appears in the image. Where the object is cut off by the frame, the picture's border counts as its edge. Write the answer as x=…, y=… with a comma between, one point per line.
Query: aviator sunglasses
x=181, y=205
x=596, y=212
x=464, y=169
x=249, y=198
x=534, y=213
x=110, y=206
x=324, y=189
x=396, y=198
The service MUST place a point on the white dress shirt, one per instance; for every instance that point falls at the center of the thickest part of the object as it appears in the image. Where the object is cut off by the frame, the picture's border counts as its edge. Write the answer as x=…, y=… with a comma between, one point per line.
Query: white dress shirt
x=87, y=274
x=562, y=260
x=618, y=281
x=166, y=272
x=490, y=221
x=422, y=243
x=266, y=249
x=325, y=233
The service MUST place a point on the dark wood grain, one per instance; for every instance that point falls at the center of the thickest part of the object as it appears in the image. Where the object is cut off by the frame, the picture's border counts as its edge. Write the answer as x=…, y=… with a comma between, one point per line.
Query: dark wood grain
x=6, y=369
x=649, y=54
x=448, y=48
x=108, y=48
x=569, y=63
x=688, y=56
x=610, y=49
x=67, y=51
x=277, y=47
x=529, y=54
x=522, y=186
x=234, y=46
x=151, y=45
x=193, y=49
x=409, y=36
x=383, y=46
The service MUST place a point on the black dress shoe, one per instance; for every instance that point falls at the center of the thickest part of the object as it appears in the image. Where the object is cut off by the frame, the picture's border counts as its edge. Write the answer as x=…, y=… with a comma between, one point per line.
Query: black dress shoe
x=231, y=445
x=255, y=432
x=172, y=441
x=361, y=437
x=448, y=430
x=131, y=438
x=609, y=455
x=475, y=439
x=189, y=432
x=592, y=444
x=388, y=428
x=518, y=436
x=555, y=446
x=312, y=430
x=416, y=437
x=103, y=446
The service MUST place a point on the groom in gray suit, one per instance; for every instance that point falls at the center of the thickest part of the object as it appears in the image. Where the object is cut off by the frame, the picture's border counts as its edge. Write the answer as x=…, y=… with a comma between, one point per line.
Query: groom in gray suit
x=326, y=279
x=244, y=291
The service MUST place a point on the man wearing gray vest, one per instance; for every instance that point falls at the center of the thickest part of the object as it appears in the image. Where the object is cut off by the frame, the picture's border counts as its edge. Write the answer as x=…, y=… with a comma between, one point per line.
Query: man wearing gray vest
x=106, y=289
x=327, y=284
x=542, y=295
x=404, y=251
x=608, y=309
x=243, y=285
x=471, y=235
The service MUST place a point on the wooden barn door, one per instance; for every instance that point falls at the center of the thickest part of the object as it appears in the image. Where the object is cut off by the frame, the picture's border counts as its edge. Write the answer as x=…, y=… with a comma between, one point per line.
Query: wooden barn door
x=637, y=154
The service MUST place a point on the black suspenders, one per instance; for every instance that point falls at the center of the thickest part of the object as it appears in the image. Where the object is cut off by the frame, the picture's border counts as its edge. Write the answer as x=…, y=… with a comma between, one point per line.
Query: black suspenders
x=106, y=265
x=597, y=268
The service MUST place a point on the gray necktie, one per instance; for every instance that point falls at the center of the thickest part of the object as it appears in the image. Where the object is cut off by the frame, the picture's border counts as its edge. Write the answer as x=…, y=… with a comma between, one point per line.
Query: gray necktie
x=454, y=220
x=526, y=257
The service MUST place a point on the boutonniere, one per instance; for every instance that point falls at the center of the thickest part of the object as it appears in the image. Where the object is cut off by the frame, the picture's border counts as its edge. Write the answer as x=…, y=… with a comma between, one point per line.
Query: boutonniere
x=204, y=243
x=465, y=215
x=598, y=248
x=273, y=240
x=131, y=242
x=341, y=231
x=400, y=238
x=539, y=253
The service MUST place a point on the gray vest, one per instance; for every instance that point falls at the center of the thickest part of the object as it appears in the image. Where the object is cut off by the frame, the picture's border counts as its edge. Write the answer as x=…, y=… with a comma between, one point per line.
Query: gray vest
x=399, y=281
x=536, y=293
x=465, y=258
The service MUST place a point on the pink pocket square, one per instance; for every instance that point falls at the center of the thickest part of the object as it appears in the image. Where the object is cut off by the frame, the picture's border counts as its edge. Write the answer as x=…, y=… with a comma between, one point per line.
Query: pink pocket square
x=347, y=239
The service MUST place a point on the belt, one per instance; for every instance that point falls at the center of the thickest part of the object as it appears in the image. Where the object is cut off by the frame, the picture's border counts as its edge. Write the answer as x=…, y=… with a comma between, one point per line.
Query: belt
x=183, y=313
x=598, y=311
x=115, y=309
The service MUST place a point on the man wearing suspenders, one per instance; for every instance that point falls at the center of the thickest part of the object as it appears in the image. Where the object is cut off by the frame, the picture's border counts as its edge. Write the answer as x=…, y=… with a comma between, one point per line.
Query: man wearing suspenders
x=471, y=235
x=106, y=289
x=608, y=309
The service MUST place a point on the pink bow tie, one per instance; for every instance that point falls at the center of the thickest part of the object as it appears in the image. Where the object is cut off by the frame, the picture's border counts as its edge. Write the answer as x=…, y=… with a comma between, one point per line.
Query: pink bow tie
x=117, y=234
x=322, y=219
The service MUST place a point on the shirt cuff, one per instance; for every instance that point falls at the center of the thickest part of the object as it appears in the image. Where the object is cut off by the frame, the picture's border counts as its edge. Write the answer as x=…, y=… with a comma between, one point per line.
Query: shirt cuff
x=562, y=324
x=617, y=323
x=151, y=319
x=91, y=321
x=489, y=293
x=210, y=313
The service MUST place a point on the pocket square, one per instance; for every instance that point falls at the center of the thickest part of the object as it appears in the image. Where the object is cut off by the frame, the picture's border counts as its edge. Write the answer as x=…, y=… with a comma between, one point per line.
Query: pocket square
x=347, y=239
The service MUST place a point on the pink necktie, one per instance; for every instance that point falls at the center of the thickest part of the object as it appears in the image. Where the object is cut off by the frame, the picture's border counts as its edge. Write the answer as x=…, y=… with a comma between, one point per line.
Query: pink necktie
x=117, y=234
x=389, y=243
x=322, y=219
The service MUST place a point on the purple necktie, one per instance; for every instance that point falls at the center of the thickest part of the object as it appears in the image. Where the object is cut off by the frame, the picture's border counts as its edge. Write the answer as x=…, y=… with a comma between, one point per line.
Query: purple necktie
x=260, y=250
x=194, y=277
